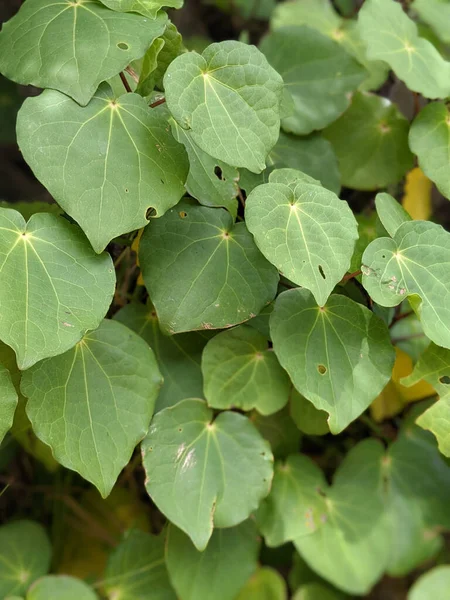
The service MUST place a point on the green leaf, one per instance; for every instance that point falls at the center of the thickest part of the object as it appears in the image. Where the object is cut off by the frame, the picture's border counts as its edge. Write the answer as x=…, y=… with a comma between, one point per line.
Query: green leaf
x=279, y=430
x=433, y=584
x=371, y=143
x=317, y=591
x=437, y=420
x=414, y=264
x=228, y=100
x=306, y=416
x=25, y=555
x=148, y=8
x=339, y=356
x=178, y=356
x=72, y=46
x=147, y=68
x=8, y=401
x=93, y=404
x=10, y=101
x=107, y=164
x=318, y=73
x=311, y=246
x=53, y=287
x=266, y=584
x=202, y=271
x=211, y=181
x=391, y=213
x=221, y=570
x=434, y=367
x=429, y=139
x=437, y=14
x=367, y=230
x=188, y=455
x=241, y=371
x=61, y=587
x=28, y=209
x=392, y=36
x=137, y=570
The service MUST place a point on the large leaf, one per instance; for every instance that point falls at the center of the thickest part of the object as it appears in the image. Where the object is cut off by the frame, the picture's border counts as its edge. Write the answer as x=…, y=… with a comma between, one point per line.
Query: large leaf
x=137, y=570
x=392, y=36
x=266, y=584
x=429, y=139
x=204, y=473
x=371, y=143
x=93, y=404
x=228, y=100
x=53, y=287
x=318, y=73
x=339, y=356
x=202, y=271
x=437, y=14
x=148, y=8
x=25, y=555
x=305, y=231
x=72, y=46
x=8, y=401
x=414, y=264
x=241, y=371
x=107, y=164
x=433, y=584
x=179, y=356
x=61, y=587
x=221, y=570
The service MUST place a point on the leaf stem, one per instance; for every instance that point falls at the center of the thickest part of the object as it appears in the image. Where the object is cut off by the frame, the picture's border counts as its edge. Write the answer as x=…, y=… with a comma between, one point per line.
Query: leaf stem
x=349, y=276
x=398, y=318
x=157, y=102
x=126, y=85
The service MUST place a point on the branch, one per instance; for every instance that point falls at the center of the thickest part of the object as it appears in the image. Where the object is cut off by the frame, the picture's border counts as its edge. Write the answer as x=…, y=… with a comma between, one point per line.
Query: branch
x=126, y=85
x=351, y=276
x=157, y=102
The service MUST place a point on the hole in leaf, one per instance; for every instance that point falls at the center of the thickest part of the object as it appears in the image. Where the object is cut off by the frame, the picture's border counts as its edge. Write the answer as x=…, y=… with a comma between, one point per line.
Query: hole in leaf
x=151, y=212
x=123, y=46
x=162, y=181
x=322, y=369
x=183, y=214
x=126, y=190
x=445, y=379
x=218, y=172
x=321, y=271
x=180, y=429
x=383, y=256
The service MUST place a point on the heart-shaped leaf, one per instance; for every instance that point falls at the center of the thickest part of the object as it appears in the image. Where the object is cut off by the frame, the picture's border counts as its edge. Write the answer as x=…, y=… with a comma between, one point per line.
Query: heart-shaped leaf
x=111, y=163
x=339, y=356
x=202, y=271
x=305, y=231
x=228, y=99
x=61, y=587
x=190, y=461
x=110, y=372
x=8, y=401
x=240, y=371
x=53, y=287
x=371, y=143
x=148, y=8
x=318, y=73
x=414, y=264
x=72, y=46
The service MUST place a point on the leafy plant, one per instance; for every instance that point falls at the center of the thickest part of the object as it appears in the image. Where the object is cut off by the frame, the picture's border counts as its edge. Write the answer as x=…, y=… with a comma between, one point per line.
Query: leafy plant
x=242, y=270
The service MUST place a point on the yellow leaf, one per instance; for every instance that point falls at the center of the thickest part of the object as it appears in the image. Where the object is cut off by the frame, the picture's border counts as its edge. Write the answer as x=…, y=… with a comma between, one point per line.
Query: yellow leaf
x=417, y=198
x=135, y=248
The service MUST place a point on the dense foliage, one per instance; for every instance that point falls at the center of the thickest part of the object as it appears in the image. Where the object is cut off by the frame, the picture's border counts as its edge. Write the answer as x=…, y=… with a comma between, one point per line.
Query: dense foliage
x=244, y=268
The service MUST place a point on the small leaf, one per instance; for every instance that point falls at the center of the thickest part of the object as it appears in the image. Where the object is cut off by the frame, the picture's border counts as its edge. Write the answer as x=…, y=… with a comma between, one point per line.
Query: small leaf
x=433, y=366
x=93, y=404
x=391, y=213
x=228, y=98
x=415, y=264
x=53, y=287
x=61, y=587
x=317, y=591
x=107, y=164
x=433, y=584
x=188, y=455
x=318, y=73
x=178, y=356
x=371, y=143
x=311, y=246
x=72, y=46
x=339, y=356
x=240, y=371
x=392, y=36
x=367, y=231
x=137, y=569
x=25, y=555
x=306, y=416
x=147, y=68
x=202, y=271
x=266, y=584
x=148, y=8
x=429, y=139
x=221, y=570
x=8, y=401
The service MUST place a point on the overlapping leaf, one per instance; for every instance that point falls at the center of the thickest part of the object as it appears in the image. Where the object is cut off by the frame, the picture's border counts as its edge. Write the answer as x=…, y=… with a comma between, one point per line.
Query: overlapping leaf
x=305, y=231
x=61, y=587
x=414, y=264
x=433, y=584
x=429, y=139
x=202, y=271
x=266, y=584
x=339, y=356
x=106, y=164
x=305, y=415
x=8, y=401
x=279, y=430
x=392, y=36
x=93, y=404
x=390, y=212
x=148, y=8
x=221, y=570
x=437, y=14
x=53, y=287
x=72, y=46
x=203, y=473
x=240, y=371
x=318, y=73
x=371, y=143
